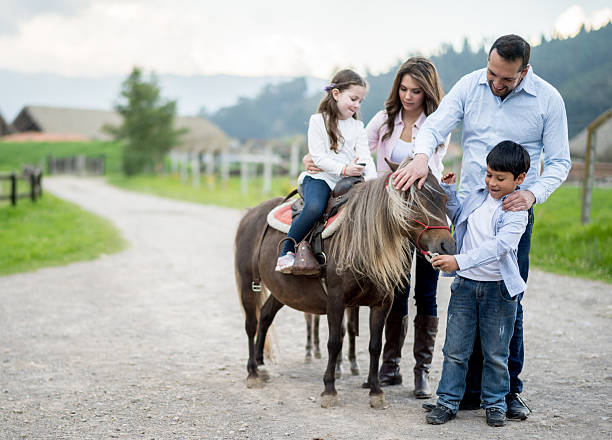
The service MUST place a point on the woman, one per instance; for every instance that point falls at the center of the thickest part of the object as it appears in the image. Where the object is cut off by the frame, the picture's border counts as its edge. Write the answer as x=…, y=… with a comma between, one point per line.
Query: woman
x=415, y=94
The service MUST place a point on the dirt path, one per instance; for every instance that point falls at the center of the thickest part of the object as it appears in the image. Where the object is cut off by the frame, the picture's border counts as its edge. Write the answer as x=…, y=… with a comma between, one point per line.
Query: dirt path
x=150, y=344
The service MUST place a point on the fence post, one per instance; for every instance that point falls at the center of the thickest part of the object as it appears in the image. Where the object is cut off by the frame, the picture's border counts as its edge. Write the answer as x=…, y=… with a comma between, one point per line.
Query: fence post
x=14, y=188
x=267, y=166
x=39, y=182
x=32, y=186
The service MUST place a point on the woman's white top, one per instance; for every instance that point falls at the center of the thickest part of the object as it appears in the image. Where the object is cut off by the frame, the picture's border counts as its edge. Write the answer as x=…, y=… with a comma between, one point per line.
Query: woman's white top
x=354, y=145
x=402, y=150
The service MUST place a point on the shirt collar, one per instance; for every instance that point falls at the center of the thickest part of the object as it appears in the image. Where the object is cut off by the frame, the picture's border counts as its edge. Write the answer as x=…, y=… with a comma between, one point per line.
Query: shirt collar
x=420, y=120
x=527, y=84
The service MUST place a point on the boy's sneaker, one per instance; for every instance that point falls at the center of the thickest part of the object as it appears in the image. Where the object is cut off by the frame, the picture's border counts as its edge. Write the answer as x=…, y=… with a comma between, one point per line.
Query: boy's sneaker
x=439, y=415
x=517, y=409
x=495, y=417
x=285, y=263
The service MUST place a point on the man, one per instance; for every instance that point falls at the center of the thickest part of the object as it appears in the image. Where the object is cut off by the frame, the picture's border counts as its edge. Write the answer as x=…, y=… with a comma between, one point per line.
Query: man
x=505, y=100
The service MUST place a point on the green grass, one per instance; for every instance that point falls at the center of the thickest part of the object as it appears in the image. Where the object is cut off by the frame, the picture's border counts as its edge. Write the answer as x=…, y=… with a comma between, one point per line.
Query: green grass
x=51, y=232
x=561, y=244
x=15, y=154
x=211, y=192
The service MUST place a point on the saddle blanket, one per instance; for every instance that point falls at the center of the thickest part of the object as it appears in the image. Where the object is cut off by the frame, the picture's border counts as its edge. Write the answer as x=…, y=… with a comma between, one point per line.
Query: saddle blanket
x=280, y=219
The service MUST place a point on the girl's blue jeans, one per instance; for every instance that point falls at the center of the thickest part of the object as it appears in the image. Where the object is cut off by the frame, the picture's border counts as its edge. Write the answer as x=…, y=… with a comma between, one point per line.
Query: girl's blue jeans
x=316, y=192
x=487, y=306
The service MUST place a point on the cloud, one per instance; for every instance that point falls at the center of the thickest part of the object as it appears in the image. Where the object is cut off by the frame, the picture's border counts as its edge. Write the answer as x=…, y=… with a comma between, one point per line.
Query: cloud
x=15, y=12
x=570, y=21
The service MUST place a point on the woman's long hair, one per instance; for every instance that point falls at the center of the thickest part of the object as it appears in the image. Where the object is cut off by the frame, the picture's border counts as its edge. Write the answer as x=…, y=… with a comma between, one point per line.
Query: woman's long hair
x=329, y=108
x=425, y=74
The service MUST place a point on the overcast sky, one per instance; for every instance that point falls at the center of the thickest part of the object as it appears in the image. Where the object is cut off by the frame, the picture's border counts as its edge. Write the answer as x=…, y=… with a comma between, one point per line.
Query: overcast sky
x=266, y=37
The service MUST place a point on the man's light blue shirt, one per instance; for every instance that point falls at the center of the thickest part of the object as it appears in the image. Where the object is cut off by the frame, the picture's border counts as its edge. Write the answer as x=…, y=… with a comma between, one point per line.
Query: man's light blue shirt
x=533, y=115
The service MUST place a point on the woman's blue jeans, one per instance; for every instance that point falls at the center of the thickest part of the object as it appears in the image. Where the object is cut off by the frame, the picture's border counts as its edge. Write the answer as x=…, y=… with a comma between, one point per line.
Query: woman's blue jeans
x=316, y=192
x=425, y=287
x=484, y=305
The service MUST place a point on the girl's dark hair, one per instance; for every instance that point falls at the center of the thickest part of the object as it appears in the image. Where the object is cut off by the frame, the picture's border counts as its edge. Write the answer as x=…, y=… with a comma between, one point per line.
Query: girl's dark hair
x=425, y=74
x=512, y=47
x=329, y=108
x=510, y=157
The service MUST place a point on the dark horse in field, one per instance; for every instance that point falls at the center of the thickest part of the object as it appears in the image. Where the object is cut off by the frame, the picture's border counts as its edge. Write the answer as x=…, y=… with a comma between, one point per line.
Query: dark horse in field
x=366, y=260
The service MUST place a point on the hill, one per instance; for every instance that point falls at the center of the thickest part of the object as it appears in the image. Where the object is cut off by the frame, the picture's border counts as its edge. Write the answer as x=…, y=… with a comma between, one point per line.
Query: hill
x=580, y=68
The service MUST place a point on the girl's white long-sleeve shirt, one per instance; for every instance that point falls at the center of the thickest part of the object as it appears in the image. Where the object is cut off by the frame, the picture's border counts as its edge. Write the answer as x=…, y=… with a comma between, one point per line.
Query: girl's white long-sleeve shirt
x=354, y=145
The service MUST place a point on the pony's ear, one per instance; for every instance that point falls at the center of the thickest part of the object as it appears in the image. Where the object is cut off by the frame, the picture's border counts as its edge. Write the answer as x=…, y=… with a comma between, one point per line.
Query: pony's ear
x=392, y=165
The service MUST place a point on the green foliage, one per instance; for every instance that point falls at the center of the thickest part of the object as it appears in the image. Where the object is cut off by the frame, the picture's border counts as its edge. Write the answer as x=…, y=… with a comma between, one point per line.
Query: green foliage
x=52, y=232
x=561, y=244
x=580, y=68
x=15, y=154
x=210, y=192
x=148, y=124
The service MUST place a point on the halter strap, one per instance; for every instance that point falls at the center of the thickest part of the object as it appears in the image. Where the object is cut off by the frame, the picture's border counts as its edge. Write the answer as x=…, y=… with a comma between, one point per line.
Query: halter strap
x=426, y=227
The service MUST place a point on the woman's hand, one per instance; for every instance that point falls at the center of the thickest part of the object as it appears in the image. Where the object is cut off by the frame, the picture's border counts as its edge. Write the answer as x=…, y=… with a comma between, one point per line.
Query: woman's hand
x=310, y=165
x=449, y=178
x=446, y=263
x=352, y=169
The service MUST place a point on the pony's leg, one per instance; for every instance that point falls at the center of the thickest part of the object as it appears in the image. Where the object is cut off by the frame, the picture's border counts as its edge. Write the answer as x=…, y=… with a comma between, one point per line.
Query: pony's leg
x=267, y=314
x=352, y=325
x=377, y=322
x=309, y=317
x=339, y=361
x=317, y=345
x=335, y=314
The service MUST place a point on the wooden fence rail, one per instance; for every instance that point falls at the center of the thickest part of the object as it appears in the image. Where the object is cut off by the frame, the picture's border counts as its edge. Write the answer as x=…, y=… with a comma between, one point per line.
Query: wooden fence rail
x=31, y=176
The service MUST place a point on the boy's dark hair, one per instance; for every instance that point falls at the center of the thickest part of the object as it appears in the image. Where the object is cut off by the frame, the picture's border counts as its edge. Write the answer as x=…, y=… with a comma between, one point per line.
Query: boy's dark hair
x=512, y=47
x=510, y=157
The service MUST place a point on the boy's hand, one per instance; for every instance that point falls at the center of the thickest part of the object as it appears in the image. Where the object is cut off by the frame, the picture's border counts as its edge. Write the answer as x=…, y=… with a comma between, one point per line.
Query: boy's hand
x=449, y=178
x=446, y=263
x=310, y=165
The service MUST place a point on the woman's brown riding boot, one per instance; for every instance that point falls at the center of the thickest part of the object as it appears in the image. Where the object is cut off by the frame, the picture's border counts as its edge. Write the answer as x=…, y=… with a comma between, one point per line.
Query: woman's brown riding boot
x=396, y=328
x=425, y=330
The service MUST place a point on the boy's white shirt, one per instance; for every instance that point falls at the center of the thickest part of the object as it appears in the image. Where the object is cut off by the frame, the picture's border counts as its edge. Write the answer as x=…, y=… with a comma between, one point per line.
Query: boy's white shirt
x=508, y=228
x=479, y=230
x=355, y=145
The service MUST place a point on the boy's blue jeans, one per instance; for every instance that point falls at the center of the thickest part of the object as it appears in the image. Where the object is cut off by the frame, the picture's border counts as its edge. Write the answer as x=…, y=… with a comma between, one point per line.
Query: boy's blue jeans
x=316, y=192
x=517, y=353
x=487, y=306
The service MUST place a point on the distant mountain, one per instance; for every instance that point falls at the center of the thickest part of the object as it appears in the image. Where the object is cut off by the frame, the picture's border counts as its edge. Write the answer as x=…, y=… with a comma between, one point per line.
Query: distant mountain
x=191, y=92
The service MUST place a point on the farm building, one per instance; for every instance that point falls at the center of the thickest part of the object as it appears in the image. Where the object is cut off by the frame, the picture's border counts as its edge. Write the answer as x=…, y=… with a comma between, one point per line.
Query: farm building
x=4, y=128
x=75, y=123
x=603, y=145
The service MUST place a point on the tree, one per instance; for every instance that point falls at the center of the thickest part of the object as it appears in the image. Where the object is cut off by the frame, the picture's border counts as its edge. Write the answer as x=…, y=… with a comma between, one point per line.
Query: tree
x=148, y=124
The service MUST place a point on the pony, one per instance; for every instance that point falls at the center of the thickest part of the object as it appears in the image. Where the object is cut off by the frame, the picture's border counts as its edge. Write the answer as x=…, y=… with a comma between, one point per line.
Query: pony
x=367, y=257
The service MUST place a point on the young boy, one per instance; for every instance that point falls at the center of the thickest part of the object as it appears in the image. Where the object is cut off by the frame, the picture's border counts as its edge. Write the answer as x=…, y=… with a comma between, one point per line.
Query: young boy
x=487, y=282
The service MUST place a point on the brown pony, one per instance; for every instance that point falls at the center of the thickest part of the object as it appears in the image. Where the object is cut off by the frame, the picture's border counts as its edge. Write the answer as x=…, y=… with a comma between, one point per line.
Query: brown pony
x=366, y=260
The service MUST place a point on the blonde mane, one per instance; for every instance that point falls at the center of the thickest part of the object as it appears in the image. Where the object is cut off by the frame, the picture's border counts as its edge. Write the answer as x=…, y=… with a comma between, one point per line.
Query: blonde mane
x=374, y=239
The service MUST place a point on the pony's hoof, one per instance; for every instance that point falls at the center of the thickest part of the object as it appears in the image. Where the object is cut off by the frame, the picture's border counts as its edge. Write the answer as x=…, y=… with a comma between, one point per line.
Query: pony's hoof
x=254, y=382
x=264, y=375
x=355, y=369
x=329, y=401
x=378, y=401
x=318, y=354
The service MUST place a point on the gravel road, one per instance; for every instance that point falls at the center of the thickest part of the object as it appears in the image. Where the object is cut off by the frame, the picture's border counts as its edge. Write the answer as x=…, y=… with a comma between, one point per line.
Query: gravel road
x=150, y=344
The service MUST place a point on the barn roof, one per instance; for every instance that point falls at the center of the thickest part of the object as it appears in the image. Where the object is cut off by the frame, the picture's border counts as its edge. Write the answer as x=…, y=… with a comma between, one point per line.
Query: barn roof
x=202, y=134
x=603, y=146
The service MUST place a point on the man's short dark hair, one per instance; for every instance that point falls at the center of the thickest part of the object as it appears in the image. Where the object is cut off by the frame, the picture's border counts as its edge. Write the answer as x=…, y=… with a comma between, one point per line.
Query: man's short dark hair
x=508, y=156
x=512, y=47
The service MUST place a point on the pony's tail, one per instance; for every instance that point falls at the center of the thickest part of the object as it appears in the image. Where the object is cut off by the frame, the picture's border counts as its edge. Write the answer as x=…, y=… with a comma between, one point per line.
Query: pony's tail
x=260, y=298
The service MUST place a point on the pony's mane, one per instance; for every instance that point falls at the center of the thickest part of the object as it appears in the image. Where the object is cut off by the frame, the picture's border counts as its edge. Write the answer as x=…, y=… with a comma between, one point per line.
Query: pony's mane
x=373, y=242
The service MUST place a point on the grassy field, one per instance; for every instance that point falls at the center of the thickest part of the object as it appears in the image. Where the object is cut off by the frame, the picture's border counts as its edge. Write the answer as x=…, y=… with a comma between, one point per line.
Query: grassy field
x=561, y=244
x=15, y=154
x=213, y=192
x=51, y=232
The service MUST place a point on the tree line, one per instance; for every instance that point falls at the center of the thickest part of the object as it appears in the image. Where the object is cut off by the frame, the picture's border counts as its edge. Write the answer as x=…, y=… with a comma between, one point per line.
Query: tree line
x=580, y=68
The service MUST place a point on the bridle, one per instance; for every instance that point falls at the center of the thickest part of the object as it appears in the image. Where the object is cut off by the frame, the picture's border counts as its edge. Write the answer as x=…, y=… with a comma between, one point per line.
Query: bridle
x=427, y=254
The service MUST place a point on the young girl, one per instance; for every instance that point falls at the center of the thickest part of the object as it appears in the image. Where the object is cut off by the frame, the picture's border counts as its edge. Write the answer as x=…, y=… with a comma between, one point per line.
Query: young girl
x=338, y=144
